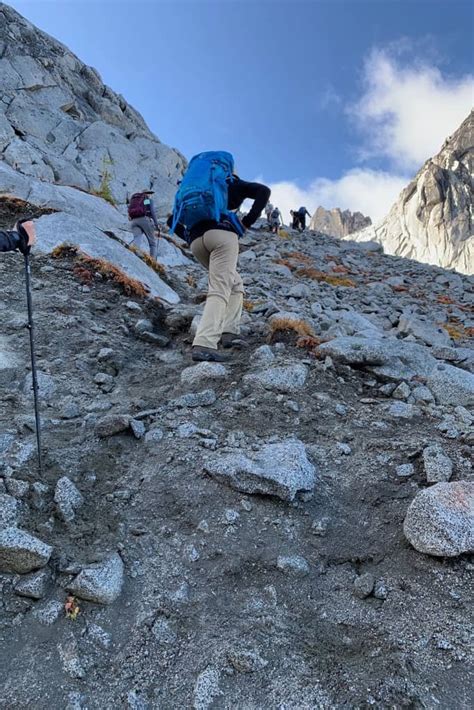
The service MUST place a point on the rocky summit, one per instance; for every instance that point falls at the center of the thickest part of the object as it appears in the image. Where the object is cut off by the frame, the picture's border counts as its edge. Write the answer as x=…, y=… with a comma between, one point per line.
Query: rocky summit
x=338, y=223
x=432, y=219
x=292, y=529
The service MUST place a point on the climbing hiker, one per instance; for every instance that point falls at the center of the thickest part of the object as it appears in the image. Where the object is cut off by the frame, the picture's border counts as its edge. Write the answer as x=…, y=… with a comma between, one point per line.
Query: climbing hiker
x=21, y=239
x=295, y=219
x=268, y=211
x=203, y=215
x=302, y=212
x=143, y=221
x=276, y=220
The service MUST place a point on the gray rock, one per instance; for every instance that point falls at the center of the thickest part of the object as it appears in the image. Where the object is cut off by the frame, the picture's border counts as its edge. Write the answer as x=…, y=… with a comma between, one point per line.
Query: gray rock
x=206, y=689
x=299, y=291
x=38, y=495
x=248, y=255
x=163, y=631
x=154, y=436
x=203, y=371
x=263, y=355
x=99, y=636
x=422, y=395
x=284, y=378
x=138, y=428
x=51, y=231
x=112, y=424
x=17, y=488
x=246, y=661
x=405, y=470
x=364, y=585
x=9, y=511
x=438, y=467
x=49, y=613
x=46, y=385
x=21, y=552
x=401, y=410
x=68, y=499
x=276, y=469
x=100, y=583
x=34, y=585
x=427, y=332
x=293, y=563
x=402, y=391
x=440, y=519
x=451, y=385
x=388, y=358
x=196, y=399
x=186, y=430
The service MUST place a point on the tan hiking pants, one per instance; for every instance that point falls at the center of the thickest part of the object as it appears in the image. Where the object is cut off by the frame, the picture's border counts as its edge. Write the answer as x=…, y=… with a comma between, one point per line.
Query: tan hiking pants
x=218, y=251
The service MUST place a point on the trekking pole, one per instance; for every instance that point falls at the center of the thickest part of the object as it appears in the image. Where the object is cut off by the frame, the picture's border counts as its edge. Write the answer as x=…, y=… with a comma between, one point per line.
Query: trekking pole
x=33, y=360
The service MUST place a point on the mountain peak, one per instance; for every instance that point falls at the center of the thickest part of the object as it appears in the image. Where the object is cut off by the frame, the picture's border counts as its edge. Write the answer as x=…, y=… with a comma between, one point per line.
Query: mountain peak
x=432, y=219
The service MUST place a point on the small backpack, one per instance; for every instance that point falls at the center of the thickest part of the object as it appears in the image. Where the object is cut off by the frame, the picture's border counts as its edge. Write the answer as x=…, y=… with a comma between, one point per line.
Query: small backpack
x=137, y=207
x=302, y=210
x=203, y=192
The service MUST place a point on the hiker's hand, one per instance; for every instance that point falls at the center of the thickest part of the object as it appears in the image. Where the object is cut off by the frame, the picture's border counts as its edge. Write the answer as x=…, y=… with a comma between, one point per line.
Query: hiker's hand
x=27, y=233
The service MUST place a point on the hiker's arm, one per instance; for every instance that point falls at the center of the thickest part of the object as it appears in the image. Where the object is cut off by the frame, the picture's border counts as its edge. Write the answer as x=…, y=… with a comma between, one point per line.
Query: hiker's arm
x=260, y=194
x=308, y=214
x=179, y=229
x=153, y=215
x=9, y=241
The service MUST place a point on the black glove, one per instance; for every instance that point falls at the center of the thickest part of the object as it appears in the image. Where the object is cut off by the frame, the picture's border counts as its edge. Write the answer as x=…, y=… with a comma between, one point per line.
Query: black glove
x=23, y=246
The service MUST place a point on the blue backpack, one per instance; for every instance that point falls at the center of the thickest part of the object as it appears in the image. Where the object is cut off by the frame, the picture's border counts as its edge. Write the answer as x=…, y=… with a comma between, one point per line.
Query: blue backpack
x=202, y=194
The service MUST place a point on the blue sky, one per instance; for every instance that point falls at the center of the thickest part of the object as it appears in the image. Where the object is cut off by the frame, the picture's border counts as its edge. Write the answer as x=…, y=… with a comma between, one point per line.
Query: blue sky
x=330, y=101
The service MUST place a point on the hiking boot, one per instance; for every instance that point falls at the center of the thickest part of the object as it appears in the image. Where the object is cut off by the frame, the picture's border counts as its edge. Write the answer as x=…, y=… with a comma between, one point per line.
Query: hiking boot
x=231, y=340
x=202, y=354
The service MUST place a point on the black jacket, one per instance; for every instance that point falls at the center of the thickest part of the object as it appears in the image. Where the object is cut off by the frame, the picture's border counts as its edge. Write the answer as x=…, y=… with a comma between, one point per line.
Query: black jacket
x=238, y=191
x=9, y=241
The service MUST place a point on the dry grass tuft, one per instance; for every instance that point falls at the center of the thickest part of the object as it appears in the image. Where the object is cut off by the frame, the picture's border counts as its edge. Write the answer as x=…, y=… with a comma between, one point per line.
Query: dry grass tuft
x=110, y=272
x=309, y=342
x=310, y=273
x=285, y=262
x=457, y=331
x=191, y=281
x=149, y=261
x=64, y=250
x=299, y=257
x=289, y=329
x=87, y=267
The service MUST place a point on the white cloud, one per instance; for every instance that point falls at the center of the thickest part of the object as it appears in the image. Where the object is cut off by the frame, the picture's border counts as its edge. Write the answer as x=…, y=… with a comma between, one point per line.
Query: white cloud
x=406, y=112
x=404, y=115
x=371, y=192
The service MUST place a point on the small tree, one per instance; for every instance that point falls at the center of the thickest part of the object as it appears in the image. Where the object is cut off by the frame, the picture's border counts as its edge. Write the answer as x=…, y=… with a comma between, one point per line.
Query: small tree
x=106, y=176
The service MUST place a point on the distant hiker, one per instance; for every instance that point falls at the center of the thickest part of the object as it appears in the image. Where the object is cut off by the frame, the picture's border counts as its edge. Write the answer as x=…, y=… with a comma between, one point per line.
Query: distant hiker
x=268, y=211
x=141, y=213
x=302, y=212
x=22, y=239
x=295, y=219
x=202, y=215
x=276, y=220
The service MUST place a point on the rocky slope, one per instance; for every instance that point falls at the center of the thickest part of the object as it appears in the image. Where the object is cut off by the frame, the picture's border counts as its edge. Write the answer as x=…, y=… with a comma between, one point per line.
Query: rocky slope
x=249, y=535
x=432, y=221
x=61, y=124
x=338, y=223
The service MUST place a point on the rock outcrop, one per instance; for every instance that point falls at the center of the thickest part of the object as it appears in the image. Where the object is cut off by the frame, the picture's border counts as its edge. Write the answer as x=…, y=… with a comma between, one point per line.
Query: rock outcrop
x=432, y=220
x=71, y=145
x=61, y=124
x=338, y=223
